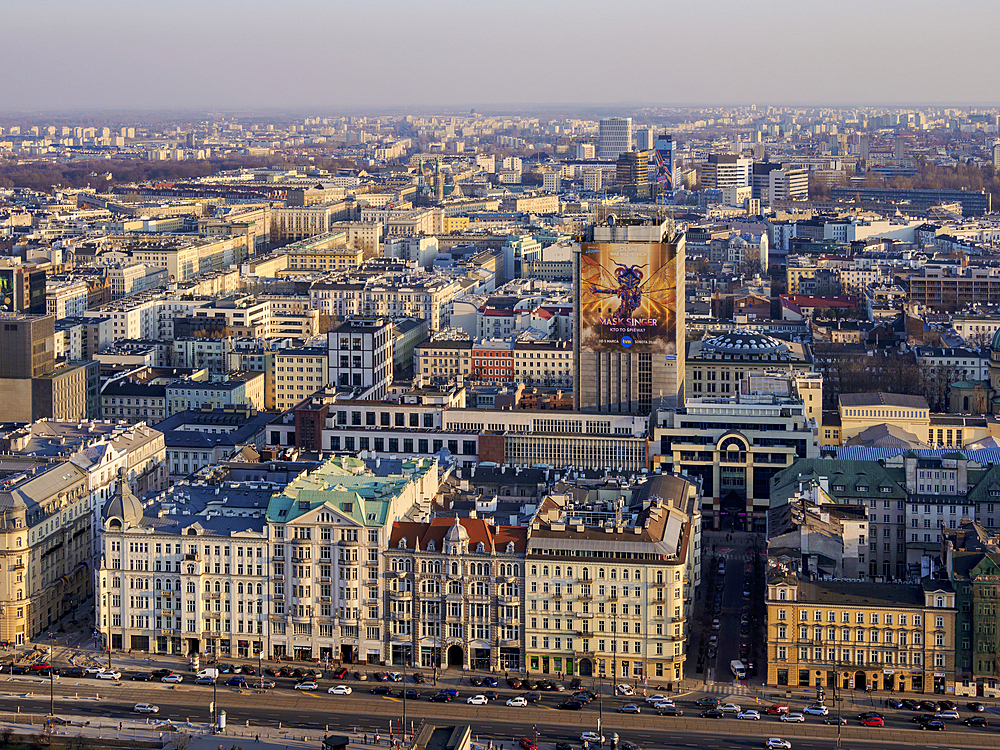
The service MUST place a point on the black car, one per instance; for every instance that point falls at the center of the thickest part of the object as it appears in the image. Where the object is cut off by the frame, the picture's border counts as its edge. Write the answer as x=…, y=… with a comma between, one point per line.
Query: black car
x=976, y=721
x=947, y=705
x=670, y=711
x=713, y=713
x=927, y=706
x=911, y=705
x=547, y=685
x=410, y=694
x=142, y=677
x=575, y=683
x=570, y=705
x=382, y=690
x=935, y=724
x=249, y=670
x=74, y=672
x=419, y=678
x=440, y=698
x=922, y=718
x=491, y=695
x=50, y=672
x=159, y=673
x=20, y=669
x=564, y=746
x=894, y=703
x=532, y=697
x=976, y=706
x=871, y=715
x=476, y=681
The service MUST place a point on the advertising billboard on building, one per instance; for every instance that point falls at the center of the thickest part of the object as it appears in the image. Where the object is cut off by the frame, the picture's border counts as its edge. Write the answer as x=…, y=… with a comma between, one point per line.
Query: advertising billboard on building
x=628, y=297
x=7, y=303
x=663, y=153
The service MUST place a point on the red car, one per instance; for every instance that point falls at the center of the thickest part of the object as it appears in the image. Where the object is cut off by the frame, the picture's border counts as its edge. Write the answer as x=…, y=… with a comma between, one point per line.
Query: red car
x=340, y=673
x=527, y=744
x=872, y=721
x=40, y=667
x=777, y=709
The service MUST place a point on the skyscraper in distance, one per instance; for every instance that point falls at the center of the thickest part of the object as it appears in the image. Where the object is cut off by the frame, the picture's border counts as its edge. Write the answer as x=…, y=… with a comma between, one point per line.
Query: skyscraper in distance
x=614, y=137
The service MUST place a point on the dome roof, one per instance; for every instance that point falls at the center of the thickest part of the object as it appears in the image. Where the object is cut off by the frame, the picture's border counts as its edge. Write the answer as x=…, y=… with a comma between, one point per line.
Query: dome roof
x=124, y=505
x=744, y=341
x=457, y=533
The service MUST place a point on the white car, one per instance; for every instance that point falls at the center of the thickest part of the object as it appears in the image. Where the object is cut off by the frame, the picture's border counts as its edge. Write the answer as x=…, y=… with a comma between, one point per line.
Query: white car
x=948, y=715
x=816, y=710
x=751, y=715
x=730, y=708
x=477, y=700
x=146, y=708
x=340, y=690
x=665, y=703
x=792, y=717
x=776, y=743
x=656, y=698
x=592, y=737
x=519, y=701
x=106, y=675
x=307, y=685
x=624, y=690
x=172, y=678
x=94, y=670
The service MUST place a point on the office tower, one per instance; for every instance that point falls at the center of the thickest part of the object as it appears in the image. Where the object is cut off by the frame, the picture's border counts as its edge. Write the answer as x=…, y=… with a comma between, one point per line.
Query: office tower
x=725, y=170
x=632, y=174
x=629, y=331
x=644, y=139
x=663, y=157
x=26, y=345
x=996, y=154
x=865, y=146
x=614, y=137
x=773, y=182
x=585, y=151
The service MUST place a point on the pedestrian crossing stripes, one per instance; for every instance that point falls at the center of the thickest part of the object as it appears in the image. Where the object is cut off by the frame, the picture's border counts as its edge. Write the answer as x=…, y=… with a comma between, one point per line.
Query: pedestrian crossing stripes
x=725, y=689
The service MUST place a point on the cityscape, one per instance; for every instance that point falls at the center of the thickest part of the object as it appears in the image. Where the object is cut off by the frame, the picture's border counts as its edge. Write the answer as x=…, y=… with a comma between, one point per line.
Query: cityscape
x=375, y=415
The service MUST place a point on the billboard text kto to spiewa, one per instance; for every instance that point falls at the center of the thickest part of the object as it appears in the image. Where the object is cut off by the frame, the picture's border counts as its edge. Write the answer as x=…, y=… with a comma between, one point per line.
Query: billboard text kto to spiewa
x=628, y=297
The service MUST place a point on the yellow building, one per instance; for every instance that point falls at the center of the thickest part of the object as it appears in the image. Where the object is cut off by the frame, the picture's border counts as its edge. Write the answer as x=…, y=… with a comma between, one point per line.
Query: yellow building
x=859, y=411
x=859, y=634
x=455, y=224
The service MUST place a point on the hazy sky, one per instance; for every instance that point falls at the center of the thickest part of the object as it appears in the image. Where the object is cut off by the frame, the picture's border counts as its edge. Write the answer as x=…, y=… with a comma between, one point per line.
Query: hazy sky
x=316, y=54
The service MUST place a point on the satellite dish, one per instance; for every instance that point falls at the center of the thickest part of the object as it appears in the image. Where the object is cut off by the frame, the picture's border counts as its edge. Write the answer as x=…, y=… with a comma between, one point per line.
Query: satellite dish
x=611, y=220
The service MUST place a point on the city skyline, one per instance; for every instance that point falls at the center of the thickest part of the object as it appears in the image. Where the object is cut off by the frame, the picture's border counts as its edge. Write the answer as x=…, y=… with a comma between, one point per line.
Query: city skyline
x=226, y=56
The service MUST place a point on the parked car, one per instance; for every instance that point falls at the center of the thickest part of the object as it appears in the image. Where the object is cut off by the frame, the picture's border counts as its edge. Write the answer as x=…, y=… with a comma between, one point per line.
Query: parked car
x=911, y=705
x=419, y=678
x=625, y=690
x=247, y=669
x=976, y=721
x=575, y=683
x=628, y=708
x=749, y=715
x=976, y=706
x=476, y=681
x=527, y=744
x=894, y=703
x=514, y=683
x=946, y=705
x=927, y=706
x=146, y=708
x=796, y=717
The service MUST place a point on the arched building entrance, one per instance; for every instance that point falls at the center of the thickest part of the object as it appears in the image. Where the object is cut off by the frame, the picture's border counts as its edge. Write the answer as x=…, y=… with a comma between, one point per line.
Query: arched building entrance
x=456, y=657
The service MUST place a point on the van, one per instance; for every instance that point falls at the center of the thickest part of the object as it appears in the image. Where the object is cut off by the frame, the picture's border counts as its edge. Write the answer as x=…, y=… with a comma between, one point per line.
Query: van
x=211, y=672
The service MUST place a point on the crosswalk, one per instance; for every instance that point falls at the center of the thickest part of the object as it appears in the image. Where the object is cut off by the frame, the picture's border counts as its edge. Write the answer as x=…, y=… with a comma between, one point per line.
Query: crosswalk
x=726, y=689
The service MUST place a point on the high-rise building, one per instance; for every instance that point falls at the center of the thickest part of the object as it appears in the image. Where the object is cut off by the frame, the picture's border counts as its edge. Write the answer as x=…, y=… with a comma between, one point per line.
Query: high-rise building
x=585, y=151
x=663, y=158
x=644, y=139
x=629, y=329
x=774, y=182
x=360, y=352
x=632, y=173
x=725, y=170
x=614, y=137
x=996, y=154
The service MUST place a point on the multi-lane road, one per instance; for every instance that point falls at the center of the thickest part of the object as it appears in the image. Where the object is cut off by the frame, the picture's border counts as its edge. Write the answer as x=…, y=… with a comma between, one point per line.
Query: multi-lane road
x=368, y=713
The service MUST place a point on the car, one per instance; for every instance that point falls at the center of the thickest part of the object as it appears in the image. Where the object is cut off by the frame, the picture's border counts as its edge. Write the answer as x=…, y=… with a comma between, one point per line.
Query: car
x=477, y=700
x=745, y=617
x=716, y=624
x=976, y=721
x=247, y=669
x=592, y=737
x=411, y=694
x=476, y=681
x=517, y=702
x=948, y=715
x=665, y=703
x=712, y=713
x=340, y=690
x=584, y=695
x=514, y=683
x=204, y=680
x=450, y=692
x=894, y=703
x=777, y=709
x=749, y=715
x=834, y=720
x=730, y=708
x=947, y=705
x=935, y=724
x=776, y=743
x=309, y=685
x=564, y=746
x=712, y=651
x=262, y=684
x=380, y=676
x=571, y=705
x=395, y=677
x=873, y=721
x=816, y=710
x=172, y=678
x=628, y=708
x=976, y=706
x=340, y=673
x=94, y=670
x=494, y=682
x=527, y=744
x=532, y=697
x=657, y=698
x=746, y=593
x=74, y=672
x=922, y=718
x=709, y=701
x=438, y=698
x=379, y=690
x=670, y=711
x=40, y=666
x=927, y=706
x=141, y=677
x=146, y=708
x=547, y=685
x=910, y=705
x=239, y=681
x=108, y=675
x=624, y=690
x=419, y=678
x=792, y=717
x=51, y=672
x=158, y=673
